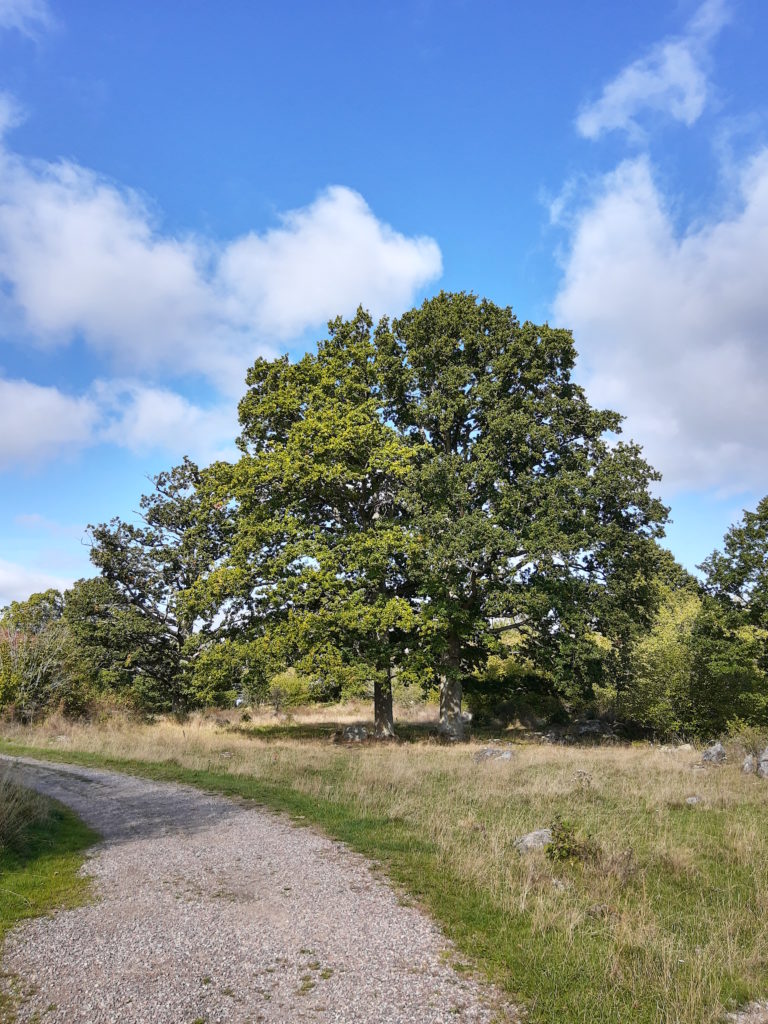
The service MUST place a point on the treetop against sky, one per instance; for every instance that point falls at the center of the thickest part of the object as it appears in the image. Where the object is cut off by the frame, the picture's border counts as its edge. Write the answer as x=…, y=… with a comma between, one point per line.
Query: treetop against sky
x=184, y=189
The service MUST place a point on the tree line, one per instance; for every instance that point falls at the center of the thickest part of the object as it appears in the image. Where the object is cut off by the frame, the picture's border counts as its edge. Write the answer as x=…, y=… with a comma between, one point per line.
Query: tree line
x=431, y=502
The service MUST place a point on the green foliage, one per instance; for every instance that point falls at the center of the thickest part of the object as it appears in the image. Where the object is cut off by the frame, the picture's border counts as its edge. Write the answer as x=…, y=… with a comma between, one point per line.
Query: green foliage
x=661, y=697
x=726, y=661
x=696, y=669
x=289, y=689
x=141, y=633
x=509, y=689
x=738, y=575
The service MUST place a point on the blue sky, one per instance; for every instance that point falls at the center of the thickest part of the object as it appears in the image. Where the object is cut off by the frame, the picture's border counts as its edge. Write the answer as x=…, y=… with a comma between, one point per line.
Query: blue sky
x=184, y=186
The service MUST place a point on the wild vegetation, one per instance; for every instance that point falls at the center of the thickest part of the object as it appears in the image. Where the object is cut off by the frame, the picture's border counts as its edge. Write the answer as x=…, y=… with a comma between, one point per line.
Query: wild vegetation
x=646, y=907
x=427, y=504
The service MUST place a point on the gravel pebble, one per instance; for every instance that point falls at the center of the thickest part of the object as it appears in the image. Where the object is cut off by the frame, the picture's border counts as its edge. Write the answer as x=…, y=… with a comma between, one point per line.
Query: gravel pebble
x=209, y=910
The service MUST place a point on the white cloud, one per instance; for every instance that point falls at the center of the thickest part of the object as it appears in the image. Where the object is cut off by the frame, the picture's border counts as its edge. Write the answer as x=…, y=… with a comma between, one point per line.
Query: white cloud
x=10, y=113
x=670, y=79
x=26, y=16
x=145, y=419
x=281, y=280
x=672, y=328
x=17, y=582
x=81, y=256
x=40, y=423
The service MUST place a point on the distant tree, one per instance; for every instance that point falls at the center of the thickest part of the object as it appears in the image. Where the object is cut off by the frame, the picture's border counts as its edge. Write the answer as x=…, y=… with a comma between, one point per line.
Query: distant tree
x=147, y=572
x=33, y=646
x=739, y=573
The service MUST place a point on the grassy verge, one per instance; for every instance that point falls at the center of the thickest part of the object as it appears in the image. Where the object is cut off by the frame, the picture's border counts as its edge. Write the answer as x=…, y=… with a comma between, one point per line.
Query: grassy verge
x=658, y=911
x=39, y=862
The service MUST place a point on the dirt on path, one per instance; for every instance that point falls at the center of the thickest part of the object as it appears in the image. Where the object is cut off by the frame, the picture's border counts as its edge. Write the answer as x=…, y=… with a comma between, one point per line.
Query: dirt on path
x=210, y=911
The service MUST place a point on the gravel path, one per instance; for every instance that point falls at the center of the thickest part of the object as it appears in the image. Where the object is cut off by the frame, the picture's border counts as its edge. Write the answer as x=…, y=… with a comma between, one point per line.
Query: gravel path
x=208, y=910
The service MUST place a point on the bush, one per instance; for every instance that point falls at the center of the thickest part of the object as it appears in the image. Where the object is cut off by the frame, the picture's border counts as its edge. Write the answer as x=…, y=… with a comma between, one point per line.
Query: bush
x=696, y=669
x=509, y=690
x=567, y=846
x=288, y=689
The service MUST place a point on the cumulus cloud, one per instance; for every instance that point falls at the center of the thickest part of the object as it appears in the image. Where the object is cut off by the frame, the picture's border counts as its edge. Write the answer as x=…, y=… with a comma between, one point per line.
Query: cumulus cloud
x=672, y=327
x=671, y=79
x=40, y=423
x=82, y=257
x=145, y=419
x=17, y=582
x=281, y=280
x=26, y=16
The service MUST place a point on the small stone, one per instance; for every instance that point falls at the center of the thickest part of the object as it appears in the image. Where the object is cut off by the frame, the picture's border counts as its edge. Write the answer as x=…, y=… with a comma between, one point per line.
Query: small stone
x=749, y=765
x=536, y=840
x=355, y=733
x=692, y=800
x=714, y=754
x=493, y=754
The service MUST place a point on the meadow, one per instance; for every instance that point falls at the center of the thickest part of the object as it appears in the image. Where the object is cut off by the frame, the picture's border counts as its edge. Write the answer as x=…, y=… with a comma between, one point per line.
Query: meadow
x=646, y=907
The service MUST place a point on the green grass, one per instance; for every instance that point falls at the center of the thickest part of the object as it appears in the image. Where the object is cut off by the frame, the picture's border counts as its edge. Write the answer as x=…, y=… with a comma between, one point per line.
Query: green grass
x=39, y=873
x=665, y=924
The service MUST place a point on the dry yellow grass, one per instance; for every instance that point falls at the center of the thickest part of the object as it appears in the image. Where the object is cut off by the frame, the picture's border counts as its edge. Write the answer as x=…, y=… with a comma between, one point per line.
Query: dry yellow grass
x=664, y=920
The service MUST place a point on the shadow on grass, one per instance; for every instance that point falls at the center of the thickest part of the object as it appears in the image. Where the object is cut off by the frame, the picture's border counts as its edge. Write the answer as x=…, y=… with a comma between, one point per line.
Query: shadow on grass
x=407, y=732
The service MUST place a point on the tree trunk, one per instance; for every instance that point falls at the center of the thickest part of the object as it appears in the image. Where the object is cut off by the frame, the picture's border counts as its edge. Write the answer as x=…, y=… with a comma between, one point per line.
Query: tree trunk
x=383, y=715
x=452, y=722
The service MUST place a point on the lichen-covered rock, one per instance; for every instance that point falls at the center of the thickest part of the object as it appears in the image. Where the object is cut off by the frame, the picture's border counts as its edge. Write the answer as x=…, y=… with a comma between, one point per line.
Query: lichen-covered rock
x=749, y=765
x=493, y=754
x=354, y=733
x=762, y=764
x=714, y=754
x=536, y=840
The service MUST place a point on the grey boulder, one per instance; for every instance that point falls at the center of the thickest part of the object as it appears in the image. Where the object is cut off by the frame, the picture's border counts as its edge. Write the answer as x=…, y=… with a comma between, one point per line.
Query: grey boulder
x=493, y=754
x=714, y=754
x=536, y=840
x=355, y=733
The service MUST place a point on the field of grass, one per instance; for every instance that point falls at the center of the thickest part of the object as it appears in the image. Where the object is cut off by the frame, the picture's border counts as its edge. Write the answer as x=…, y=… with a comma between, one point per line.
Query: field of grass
x=42, y=848
x=658, y=911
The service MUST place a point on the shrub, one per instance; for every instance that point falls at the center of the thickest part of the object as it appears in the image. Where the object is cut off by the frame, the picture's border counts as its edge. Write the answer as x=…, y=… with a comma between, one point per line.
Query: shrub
x=289, y=689
x=510, y=689
x=566, y=845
